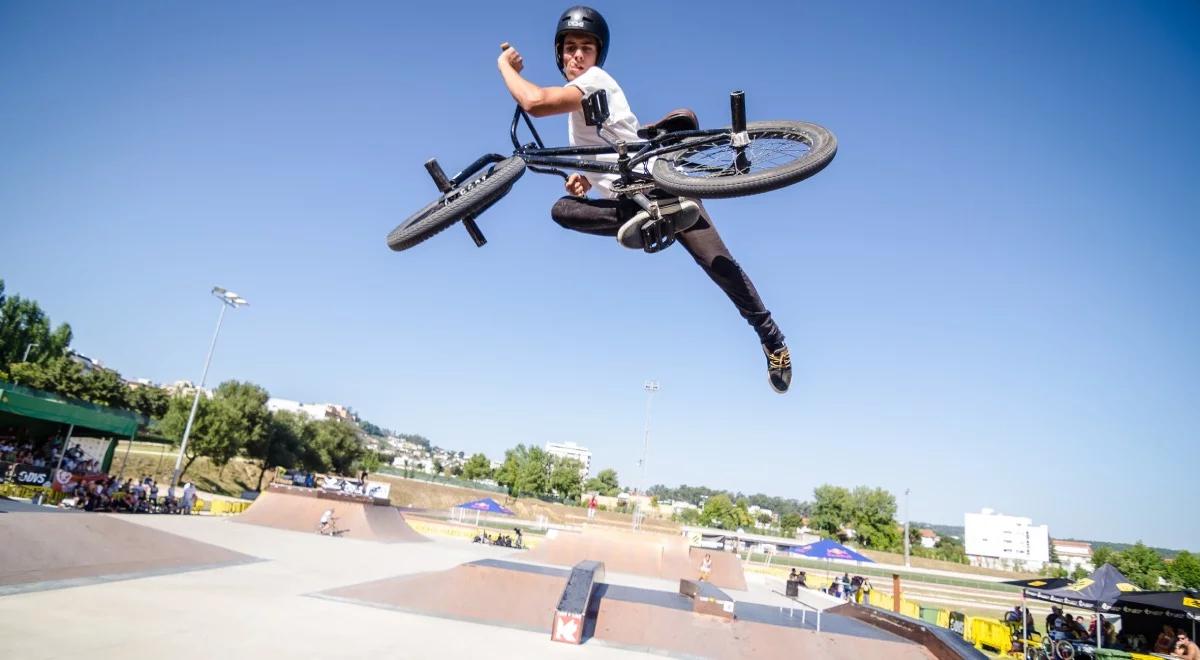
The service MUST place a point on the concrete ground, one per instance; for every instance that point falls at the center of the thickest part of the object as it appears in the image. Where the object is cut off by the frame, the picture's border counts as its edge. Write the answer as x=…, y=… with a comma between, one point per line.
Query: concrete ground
x=262, y=609
x=269, y=608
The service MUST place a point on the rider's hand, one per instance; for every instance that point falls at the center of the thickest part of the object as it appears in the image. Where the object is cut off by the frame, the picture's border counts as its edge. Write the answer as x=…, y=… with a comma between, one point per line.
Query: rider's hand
x=509, y=55
x=578, y=185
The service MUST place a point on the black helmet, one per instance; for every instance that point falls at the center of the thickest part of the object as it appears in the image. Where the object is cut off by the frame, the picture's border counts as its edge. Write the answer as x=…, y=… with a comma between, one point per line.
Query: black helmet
x=581, y=19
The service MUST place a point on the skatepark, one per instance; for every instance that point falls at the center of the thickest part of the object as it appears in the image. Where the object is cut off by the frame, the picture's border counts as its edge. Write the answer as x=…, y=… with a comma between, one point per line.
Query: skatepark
x=264, y=583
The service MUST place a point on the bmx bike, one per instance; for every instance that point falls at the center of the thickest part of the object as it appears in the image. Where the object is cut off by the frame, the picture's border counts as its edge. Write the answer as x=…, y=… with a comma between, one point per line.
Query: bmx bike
x=673, y=157
x=331, y=529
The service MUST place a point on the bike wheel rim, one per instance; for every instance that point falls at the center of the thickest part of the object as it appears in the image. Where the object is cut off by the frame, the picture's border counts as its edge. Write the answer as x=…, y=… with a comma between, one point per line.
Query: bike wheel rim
x=767, y=150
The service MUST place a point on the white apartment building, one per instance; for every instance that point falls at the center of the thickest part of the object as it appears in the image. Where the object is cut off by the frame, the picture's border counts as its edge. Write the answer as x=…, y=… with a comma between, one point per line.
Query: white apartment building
x=572, y=450
x=314, y=411
x=994, y=540
x=1073, y=554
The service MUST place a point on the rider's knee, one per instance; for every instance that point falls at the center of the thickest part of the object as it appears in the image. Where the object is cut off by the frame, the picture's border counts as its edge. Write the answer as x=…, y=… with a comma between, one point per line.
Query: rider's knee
x=566, y=212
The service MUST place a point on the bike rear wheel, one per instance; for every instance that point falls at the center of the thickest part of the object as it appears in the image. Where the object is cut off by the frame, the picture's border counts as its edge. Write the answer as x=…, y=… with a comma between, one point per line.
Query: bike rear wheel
x=471, y=196
x=779, y=153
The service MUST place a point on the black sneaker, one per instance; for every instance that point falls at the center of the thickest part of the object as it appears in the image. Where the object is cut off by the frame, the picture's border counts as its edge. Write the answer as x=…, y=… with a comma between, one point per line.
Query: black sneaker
x=779, y=368
x=684, y=214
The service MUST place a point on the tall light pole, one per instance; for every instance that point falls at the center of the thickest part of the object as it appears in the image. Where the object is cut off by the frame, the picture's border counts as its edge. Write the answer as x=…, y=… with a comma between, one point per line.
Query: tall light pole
x=651, y=386
x=228, y=300
x=28, y=348
x=906, y=541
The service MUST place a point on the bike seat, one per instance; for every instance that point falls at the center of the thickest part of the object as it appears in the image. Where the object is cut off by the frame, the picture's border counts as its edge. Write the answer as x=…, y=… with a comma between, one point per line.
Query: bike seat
x=681, y=119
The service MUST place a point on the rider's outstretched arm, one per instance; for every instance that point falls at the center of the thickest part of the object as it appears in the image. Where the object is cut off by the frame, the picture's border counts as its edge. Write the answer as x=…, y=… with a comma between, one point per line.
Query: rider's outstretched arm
x=537, y=101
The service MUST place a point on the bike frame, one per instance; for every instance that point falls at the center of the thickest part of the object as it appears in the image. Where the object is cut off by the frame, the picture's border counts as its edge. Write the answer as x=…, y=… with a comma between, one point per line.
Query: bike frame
x=549, y=160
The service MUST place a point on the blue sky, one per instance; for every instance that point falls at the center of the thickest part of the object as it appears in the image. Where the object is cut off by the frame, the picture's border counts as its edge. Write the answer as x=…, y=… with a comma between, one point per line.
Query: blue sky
x=990, y=295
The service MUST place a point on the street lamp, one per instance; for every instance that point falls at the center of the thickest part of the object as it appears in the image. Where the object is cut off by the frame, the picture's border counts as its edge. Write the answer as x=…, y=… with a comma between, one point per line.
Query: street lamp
x=228, y=299
x=28, y=348
x=906, y=541
x=651, y=386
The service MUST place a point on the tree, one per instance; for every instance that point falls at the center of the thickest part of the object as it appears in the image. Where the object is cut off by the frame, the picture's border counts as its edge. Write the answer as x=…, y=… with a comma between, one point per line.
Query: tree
x=525, y=471
x=832, y=510
x=719, y=511
x=605, y=483
x=477, y=467
x=790, y=522
x=1184, y=570
x=1103, y=555
x=438, y=467
x=873, y=518
x=1079, y=573
x=1142, y=565
x=24, y=326
x=173, y=422
x=565, y=479
x=281, y=446
x=333, y=446
x=148, y=400
x=370, y=461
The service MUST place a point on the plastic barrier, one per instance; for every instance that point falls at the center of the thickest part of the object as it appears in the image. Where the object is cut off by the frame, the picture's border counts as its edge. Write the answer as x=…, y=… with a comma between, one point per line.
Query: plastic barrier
x=988, y=633
x=21, y=491
x=943, y=618
x=227, y=508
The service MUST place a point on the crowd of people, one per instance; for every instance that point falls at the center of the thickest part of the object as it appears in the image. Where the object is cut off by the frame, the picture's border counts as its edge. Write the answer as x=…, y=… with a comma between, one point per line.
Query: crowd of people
x=852, y=589
x=109, y=494
x=1063, y=626
x=502, y=540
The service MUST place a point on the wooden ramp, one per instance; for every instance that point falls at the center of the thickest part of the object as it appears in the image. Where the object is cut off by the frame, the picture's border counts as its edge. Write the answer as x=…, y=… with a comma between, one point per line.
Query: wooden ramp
x=300, y=509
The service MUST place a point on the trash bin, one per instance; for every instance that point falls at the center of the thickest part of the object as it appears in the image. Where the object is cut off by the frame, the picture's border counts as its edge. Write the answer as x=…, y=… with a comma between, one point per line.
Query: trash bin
x=793, y=589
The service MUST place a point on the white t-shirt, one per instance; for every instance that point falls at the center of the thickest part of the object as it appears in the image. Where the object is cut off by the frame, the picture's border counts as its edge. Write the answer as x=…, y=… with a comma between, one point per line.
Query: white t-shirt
x=326, y=516
x=622, y=123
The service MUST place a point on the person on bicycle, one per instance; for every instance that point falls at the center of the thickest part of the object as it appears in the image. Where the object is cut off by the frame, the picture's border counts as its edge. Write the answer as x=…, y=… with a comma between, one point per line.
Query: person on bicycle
x=326, y=522
x=581, y=43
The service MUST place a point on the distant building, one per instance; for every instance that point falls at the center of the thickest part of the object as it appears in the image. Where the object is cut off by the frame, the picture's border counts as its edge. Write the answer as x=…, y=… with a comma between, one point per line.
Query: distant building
x=994, y=540
x=186, y=388
x=929, y=538
x=314, y=411
x=1073, y=554
x=572, y=450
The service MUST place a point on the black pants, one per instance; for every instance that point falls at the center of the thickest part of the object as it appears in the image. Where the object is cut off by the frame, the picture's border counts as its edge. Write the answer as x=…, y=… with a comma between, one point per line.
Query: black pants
x=603, y=217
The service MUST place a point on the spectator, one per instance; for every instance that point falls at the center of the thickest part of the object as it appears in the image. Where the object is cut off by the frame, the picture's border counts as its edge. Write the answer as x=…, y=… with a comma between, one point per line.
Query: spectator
x=1184, y=647
x=1165, y=641
x=189, y=498
x=706, y=567
x=592, y=507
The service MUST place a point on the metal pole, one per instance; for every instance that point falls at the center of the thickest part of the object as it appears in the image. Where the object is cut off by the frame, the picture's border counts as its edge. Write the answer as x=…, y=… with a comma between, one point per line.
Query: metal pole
x=58, y=465
x=187, y=429
x=28, y=347
x=907, y=543
x=1024, y=624
x=651, y=386
x=125, y=460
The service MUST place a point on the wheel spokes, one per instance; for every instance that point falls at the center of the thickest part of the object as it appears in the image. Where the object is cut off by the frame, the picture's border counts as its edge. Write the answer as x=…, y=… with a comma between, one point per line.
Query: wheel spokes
x=719, y=158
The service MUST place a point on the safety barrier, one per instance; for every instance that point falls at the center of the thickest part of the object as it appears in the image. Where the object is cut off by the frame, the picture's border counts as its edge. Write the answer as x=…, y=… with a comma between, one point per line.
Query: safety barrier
x=988, y=634
x=224, y=507
x=9, y=489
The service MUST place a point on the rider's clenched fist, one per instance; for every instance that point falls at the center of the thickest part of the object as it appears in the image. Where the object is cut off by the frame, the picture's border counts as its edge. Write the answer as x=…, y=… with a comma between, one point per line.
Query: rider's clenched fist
x=578, y=185
x=510, y=56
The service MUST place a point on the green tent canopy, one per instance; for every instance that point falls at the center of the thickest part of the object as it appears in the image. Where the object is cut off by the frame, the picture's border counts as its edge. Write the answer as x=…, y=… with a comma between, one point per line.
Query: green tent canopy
x=98, y=420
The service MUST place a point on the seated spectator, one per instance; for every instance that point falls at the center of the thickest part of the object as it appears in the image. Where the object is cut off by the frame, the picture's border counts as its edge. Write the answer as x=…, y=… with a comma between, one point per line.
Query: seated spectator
x=1165, y=641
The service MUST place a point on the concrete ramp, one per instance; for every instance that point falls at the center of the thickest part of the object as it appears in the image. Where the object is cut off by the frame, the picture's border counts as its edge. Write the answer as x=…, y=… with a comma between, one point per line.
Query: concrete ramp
x=43, y=551
x=638, y=553
x=300, y=509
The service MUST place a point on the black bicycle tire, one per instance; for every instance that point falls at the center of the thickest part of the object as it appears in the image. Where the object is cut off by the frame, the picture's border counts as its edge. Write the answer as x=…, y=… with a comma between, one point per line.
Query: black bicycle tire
x=823, y=147
x=439, y=214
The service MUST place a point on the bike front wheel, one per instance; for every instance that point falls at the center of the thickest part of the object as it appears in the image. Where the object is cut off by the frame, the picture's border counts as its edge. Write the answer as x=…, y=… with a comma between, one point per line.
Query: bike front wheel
x=778, y=154
x=469, y=197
